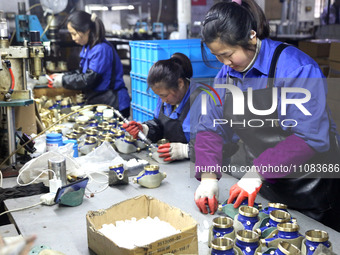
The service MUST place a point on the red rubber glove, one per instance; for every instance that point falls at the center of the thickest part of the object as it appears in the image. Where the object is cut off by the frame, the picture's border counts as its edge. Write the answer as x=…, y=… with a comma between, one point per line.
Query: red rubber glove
x=55, y=80
x=133, y=128
x=173, y=151
x=206, y=195
x=248, y=187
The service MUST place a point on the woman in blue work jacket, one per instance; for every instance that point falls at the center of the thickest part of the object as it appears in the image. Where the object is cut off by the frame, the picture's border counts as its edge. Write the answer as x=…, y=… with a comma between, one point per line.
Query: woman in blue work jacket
x=284, y=123
x=100, y=75
x=171, y=80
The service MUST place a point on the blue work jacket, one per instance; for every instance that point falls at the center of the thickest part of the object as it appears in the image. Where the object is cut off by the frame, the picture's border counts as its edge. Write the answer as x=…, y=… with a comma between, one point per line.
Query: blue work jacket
x=294, y=69
x=100, y=59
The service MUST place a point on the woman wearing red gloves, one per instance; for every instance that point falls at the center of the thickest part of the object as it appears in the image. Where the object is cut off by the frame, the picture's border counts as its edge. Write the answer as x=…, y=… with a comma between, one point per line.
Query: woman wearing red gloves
x=285, y=123
x=170, y=80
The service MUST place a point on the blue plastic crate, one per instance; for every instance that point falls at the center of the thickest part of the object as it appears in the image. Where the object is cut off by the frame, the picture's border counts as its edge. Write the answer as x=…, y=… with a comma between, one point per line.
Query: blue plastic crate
x=144, y=99
x=145, y=53
x=141, y=114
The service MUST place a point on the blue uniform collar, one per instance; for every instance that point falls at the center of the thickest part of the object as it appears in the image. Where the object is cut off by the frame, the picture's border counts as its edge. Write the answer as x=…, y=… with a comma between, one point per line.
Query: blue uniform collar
x=262, y=62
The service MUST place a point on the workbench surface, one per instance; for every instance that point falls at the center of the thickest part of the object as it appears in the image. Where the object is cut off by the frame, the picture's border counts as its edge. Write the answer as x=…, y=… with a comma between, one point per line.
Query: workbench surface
x=64, y=228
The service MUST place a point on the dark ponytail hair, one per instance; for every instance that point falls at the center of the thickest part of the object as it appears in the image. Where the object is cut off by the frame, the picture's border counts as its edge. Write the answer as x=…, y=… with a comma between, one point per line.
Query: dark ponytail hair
x=170, y=70
x=232, y=24
x=81, y=22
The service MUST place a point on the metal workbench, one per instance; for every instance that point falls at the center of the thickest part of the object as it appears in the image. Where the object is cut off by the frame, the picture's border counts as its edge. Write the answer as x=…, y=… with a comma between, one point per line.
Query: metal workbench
x=64, y=228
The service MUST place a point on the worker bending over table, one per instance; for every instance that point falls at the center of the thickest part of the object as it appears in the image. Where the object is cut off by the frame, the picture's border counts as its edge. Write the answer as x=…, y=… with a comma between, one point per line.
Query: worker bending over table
x=302, y=135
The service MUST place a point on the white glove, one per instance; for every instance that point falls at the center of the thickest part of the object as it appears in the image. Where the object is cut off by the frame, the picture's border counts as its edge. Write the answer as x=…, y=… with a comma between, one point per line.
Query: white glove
x=57, y=80
x=248, y=187
x=207, y=195
x=173, y=151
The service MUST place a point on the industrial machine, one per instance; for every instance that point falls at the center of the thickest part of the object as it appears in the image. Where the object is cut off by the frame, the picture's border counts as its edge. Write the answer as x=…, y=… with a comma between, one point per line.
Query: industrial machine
x=25, y=23
x=297, y=17
x=17, y=64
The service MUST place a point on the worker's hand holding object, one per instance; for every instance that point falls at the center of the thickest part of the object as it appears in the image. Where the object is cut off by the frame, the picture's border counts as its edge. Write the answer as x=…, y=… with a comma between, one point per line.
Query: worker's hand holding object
x=173, y=151
x=56, y=80
x=247, y=187
x=206, y=195
x=134, y=127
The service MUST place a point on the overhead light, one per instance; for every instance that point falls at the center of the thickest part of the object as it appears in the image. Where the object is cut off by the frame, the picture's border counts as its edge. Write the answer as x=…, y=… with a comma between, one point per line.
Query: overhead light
x=97, y=7
x=122, y=7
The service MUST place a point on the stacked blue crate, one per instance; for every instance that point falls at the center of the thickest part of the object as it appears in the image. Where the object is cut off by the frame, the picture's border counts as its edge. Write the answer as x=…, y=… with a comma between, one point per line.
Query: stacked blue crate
x=145, y=53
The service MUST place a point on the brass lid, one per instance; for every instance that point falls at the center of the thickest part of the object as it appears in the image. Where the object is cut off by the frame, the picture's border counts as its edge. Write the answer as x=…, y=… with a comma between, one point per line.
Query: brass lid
x=56, y=129
x=103, y=124
x=91, y=132
x=71, y=136
x=107, y=139
x=49, y=103
x=279, y=216
x=151, y=168
x=288, y=248
x=91, y=140
x=162, y=141
x=114, y=130
x=109, y=135
x=247, y=236
x=112, y=120
x=116, y=166
x=277, y=205
x=316, y=235
x=58, y=97
x=222, y=244
x=129, y=139
x=80, y=99
x=79, y=130
x=44, y=98
x=93, y=121
x=65, y=102
x=119, y=133
x=223, y=222
x=248, y=211
x=288, y=227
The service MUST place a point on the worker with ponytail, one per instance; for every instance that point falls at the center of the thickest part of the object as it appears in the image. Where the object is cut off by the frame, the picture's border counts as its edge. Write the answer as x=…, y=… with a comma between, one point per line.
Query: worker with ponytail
x=100, y=75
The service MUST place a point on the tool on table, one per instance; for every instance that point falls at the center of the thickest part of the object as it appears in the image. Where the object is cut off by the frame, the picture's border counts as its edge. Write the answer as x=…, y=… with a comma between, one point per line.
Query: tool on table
x=140, y=134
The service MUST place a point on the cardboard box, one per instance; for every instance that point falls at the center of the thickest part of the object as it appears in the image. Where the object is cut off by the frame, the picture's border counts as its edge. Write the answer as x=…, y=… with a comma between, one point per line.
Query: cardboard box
x=324, y=69
x=334, y=53
x=318, y=48
x=334, y=90
x=321, y=61
x=334, y=65
x=141, y=207
x=272, y=9
x=333, y=74
x=333, y=99
x=334, y=108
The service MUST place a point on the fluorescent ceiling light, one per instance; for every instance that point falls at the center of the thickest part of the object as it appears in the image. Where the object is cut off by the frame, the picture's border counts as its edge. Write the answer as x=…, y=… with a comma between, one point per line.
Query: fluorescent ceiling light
x=98, y=7
x=122, y=7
